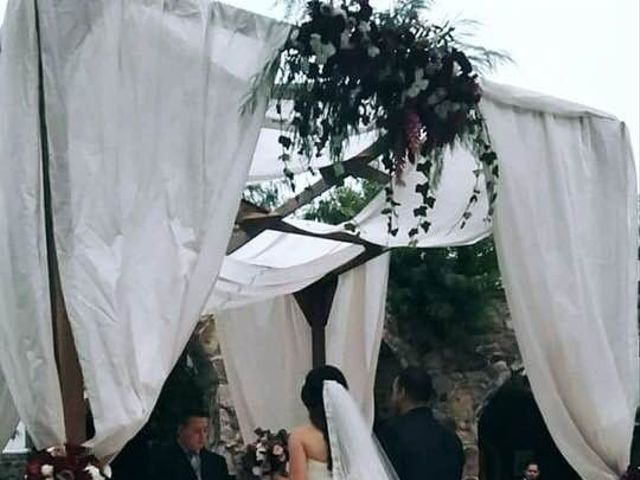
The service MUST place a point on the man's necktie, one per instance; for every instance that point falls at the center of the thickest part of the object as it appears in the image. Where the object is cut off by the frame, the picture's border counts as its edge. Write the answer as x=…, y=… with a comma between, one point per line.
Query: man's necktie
x=194, y=460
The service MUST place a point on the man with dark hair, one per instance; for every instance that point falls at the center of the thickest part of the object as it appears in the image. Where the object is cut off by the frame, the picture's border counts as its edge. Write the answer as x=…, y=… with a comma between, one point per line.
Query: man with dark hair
x=187, y=458
x=417, y=445
x=532, y=471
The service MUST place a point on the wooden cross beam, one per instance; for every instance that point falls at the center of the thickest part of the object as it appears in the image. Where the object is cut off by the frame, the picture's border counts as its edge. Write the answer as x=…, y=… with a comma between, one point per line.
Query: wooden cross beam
x=253, y=220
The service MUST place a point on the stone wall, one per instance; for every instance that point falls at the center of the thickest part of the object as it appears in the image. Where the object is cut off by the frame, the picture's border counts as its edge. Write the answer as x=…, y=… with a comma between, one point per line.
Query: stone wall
x=225, y=438
x=12, y=466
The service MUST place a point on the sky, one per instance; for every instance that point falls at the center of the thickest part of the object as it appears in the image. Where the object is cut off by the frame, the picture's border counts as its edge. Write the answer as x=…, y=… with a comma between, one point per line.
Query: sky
x=587, y=51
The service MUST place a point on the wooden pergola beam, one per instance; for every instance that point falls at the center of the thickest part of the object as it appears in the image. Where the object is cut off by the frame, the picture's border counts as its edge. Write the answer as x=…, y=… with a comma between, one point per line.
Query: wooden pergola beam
x=276, y=223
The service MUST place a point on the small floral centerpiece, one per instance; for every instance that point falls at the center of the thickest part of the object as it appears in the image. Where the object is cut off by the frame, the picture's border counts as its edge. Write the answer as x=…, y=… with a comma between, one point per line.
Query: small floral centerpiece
x=348, y=69
x=66, y=463
x=632, y=473
x=267, y=456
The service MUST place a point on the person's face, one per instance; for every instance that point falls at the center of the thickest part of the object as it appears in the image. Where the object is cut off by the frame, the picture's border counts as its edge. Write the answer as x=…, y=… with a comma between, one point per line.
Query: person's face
x=194, y=434
x=532, y=472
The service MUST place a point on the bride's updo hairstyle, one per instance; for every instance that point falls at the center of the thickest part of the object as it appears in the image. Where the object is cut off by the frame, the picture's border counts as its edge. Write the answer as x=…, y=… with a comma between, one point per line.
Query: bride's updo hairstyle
x=312, y=397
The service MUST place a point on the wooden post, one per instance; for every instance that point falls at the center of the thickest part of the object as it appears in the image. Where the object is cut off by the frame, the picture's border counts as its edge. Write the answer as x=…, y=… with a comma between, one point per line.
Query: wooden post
x=69, y=371
x=315, y=302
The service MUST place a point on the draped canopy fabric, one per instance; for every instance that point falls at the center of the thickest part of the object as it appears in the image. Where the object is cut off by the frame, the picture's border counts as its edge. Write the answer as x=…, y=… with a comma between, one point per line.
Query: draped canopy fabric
x=26, y=356
x=149, y=154
x=265, y=380
x=566, y=234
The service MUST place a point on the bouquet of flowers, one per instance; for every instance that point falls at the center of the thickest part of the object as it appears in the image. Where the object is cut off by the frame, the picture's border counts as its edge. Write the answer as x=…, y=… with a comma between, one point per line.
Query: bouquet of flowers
x=268, y=455
x=349, y=69
x=67, y=463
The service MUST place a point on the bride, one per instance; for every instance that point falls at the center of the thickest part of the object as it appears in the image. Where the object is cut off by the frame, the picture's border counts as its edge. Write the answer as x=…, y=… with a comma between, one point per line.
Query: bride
x=337, y=444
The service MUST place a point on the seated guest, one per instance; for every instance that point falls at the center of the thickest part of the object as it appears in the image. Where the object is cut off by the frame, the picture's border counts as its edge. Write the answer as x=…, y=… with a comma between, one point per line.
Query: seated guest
x=418, y=446
x=187, y=458
x=532, y=471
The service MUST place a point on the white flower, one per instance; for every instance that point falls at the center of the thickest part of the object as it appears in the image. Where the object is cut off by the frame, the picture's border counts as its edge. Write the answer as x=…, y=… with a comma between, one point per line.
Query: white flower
x=261, y=453
x=345, y=40
x=94, y=472
x=339, y=12
x=364, y=27
x=373, y=51
x=322, y=51
x=420, y=84
x=256, y=471
x=47, y=471
x=443, y=109
x=60, y=451
x=315, y=42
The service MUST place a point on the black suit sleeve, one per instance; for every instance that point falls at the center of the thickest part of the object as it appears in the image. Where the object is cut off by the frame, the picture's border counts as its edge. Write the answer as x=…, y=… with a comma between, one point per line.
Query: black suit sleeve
x=459, y=460
x=216, y=468
x=390, y=442
x=224, y=469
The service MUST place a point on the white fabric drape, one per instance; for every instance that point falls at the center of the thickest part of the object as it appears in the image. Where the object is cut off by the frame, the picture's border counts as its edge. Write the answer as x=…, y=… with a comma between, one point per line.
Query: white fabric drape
x=355, y=328
x=149, y=155
x=265, y=379
x=275, y=264
x=26, y=337
x=266, y=348
x=8, y=414
x=567, y=235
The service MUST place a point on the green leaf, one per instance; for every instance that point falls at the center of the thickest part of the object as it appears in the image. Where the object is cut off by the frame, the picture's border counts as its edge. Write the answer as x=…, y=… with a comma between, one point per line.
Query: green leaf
x=285, y=141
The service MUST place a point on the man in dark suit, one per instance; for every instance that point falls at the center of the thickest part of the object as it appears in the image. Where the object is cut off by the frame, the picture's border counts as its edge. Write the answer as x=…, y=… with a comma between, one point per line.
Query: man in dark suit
x=187, y=458
x=418, y=446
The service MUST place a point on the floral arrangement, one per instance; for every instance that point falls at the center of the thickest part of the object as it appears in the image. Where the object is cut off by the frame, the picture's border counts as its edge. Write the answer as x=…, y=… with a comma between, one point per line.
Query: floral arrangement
x=349, y=70
x=632, y=473
x=65, y=463
x=268, y=455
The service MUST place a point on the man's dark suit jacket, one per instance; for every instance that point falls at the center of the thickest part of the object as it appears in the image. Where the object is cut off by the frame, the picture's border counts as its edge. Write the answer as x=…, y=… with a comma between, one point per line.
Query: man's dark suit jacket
x=421, y=449
x=172, y=463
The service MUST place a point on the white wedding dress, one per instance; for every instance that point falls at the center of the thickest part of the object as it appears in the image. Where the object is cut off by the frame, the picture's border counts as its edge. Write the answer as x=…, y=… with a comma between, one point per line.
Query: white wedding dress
x=318, y=470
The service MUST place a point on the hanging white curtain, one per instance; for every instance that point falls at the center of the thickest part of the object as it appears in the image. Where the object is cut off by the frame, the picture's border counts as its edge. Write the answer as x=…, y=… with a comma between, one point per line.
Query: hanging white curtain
x=26, y=337
x=265, y=379
x=266, y=348
x=566, y=232
x=8, y=414
x=150, y=153
x=355, y=328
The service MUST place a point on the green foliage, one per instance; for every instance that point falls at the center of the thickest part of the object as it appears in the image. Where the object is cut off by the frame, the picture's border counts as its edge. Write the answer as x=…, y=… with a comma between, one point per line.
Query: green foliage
x=443, y=295
x=266, y=195
x=342, y=203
